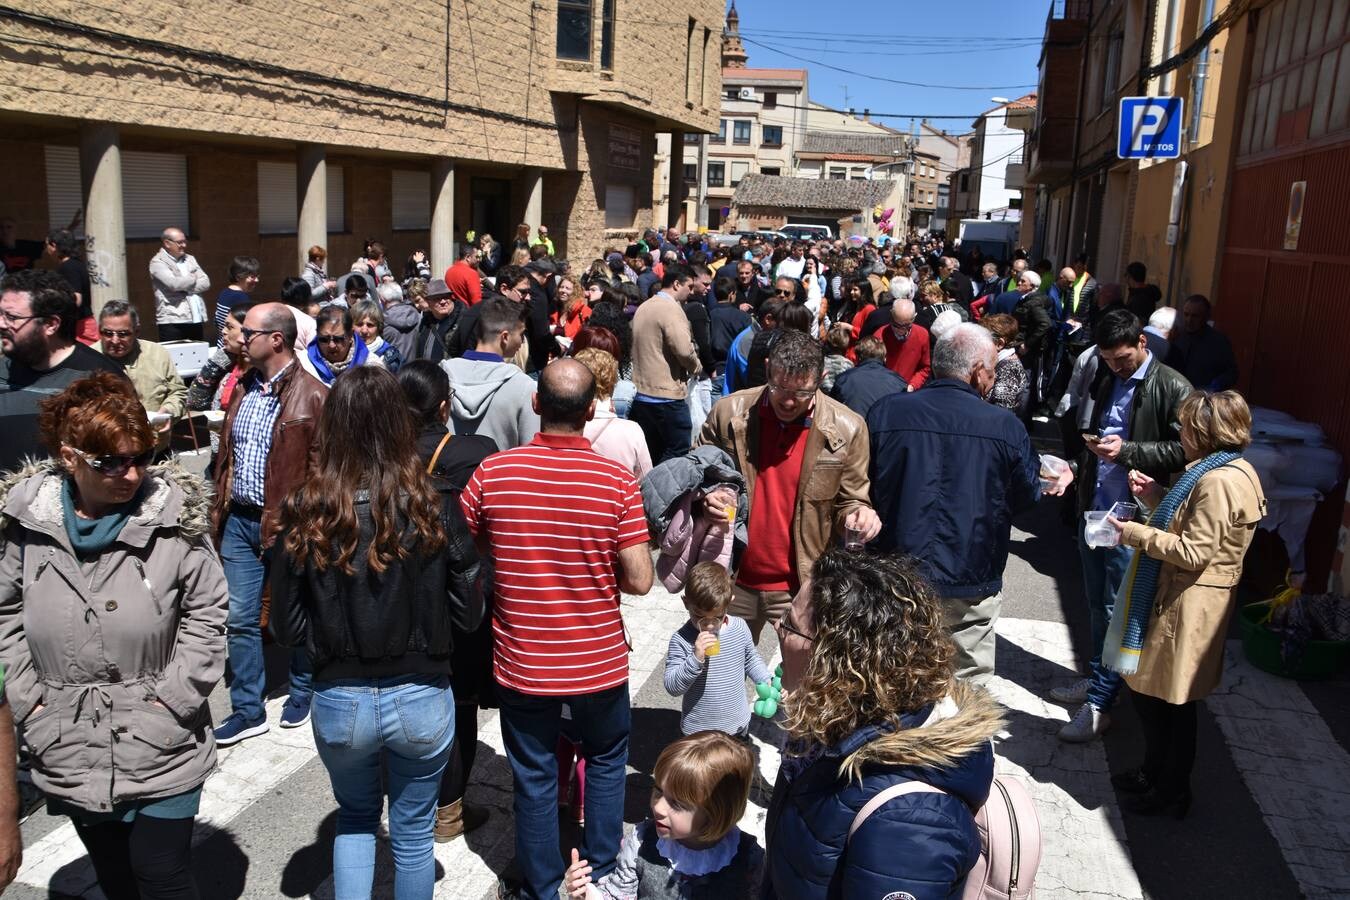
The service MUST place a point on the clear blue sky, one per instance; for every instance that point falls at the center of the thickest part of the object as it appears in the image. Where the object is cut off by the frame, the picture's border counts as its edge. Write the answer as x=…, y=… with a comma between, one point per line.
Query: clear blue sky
x=989, y=44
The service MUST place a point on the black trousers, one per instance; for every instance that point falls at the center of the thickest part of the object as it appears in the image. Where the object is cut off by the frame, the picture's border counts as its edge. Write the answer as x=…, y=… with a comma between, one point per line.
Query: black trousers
x=668, y=428
x=455, y=778
x=144, y=859
x=1169, y=742
x=182, y=331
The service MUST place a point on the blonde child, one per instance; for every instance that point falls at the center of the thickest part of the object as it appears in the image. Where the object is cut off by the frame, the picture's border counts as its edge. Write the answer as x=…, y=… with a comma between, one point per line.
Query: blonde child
x=690, y=847
x=709, y=658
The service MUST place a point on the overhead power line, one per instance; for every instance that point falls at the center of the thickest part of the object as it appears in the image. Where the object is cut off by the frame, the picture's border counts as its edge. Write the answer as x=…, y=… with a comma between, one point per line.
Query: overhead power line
x=920, y=84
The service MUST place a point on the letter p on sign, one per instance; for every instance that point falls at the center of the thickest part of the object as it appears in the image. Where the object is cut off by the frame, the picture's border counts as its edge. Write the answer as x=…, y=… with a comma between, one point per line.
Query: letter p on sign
x=1149, y=128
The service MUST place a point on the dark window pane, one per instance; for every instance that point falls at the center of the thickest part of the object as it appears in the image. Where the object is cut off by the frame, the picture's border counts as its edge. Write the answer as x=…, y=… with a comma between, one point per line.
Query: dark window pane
x=773, y=134
x=607, y=36
x=574, y=30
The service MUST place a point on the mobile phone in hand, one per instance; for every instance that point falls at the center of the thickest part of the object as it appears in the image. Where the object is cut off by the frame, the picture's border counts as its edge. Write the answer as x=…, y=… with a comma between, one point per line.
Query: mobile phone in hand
x=1091, y=438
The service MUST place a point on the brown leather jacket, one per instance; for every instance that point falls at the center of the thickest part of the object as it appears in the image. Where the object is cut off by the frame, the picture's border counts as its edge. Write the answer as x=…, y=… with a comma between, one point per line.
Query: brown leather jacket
x=834, y=478
x=293, y=453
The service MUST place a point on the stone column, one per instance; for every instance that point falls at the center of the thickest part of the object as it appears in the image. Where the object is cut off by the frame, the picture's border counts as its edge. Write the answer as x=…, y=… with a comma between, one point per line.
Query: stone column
x=311, y=187
x=677, y=189
x=442, y=215
x=105, y=235
x=534, y=199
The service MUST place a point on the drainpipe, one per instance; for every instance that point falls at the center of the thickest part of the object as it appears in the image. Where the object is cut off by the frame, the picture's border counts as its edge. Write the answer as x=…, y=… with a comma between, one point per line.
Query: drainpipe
x=1200, y=77
x=1077, y=133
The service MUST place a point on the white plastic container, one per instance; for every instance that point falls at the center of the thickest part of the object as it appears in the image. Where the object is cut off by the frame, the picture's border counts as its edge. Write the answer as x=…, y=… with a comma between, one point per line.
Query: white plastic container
x=1052, y=467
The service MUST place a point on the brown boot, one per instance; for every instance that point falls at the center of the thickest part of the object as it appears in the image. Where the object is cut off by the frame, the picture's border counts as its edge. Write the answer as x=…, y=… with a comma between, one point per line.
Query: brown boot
x=455, y=819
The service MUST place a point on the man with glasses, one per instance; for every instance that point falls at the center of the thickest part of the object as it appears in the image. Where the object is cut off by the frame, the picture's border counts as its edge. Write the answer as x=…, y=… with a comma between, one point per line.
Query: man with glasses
x=805, y=459
x=438, y=324
x=147, y=364
x=178, y=282
x=908, y=351
x=266, y=448
x=38, y=316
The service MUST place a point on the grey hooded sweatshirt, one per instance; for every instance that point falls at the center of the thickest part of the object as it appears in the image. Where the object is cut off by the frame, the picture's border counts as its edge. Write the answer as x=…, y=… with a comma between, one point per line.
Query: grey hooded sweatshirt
x=492, y=399
x=400, y=328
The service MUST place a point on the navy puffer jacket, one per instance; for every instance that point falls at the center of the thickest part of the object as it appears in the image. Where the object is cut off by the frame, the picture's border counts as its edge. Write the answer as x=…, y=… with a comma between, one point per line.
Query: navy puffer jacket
x=920, y=845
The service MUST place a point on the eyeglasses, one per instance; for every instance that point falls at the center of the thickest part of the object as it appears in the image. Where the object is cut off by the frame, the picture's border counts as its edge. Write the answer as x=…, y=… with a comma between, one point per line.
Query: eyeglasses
x=796, y=395
x=250, y=333
x=332, y=339
x=111, y=333
x=182, y=243
x=13, y=319
x=113, y=465
x=783, y=292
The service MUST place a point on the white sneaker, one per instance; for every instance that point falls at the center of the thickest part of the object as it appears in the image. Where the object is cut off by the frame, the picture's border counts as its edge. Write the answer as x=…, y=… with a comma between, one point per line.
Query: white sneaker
x=1086, y=724
x=1072, y=693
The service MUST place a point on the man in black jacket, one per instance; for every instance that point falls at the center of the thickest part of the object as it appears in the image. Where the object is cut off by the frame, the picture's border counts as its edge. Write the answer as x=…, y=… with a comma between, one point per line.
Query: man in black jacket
x=960, y=289
x=1135, y=425
x=542, y=346
x=1036, y=327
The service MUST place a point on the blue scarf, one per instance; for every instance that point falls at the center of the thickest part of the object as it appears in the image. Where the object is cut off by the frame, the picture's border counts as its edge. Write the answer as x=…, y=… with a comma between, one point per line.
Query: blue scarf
x=360, y=353
x=90, y=537
x=1134, y=602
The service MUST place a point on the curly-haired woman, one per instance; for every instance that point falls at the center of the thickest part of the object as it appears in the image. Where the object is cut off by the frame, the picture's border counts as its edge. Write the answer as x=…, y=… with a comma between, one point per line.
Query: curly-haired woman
x=112, y=635
x=375, y=570
x=877, y=706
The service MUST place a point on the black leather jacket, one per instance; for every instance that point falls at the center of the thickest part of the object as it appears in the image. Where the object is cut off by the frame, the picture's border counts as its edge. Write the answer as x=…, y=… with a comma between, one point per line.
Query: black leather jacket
x=1154, y=447
x=385, y=624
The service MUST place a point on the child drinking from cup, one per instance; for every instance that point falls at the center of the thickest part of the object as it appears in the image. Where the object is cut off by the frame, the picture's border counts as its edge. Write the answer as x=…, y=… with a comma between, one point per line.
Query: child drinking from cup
x=710, y=656
x=691, y=846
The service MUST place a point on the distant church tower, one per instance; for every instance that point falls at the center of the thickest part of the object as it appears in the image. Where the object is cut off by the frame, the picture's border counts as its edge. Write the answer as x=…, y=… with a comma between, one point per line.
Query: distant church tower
x=733, y=54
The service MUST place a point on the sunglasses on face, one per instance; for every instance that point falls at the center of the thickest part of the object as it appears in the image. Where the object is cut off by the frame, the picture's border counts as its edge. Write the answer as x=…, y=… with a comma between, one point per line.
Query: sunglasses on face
x=250, y=333
x=332, y=339
x=783, y=292
x=113, y=465
x=110, y=333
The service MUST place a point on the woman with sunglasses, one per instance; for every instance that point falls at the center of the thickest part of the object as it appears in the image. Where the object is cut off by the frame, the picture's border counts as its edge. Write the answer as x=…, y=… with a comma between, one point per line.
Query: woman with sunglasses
x=334, y=349
x=112, y=635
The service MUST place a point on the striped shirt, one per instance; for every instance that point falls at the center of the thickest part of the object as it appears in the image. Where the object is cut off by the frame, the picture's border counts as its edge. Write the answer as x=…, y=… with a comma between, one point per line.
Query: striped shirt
x=556, y=514
x=251, y=434
x=713, y=691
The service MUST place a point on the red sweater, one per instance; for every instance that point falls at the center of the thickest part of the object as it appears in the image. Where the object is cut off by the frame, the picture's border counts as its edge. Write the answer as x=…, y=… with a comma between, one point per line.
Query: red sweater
x=910, y=358
x=766, y=564
x=464, y=282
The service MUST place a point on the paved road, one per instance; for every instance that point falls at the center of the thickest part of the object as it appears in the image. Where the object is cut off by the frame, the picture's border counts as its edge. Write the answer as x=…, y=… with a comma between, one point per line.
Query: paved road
x=1271, y=818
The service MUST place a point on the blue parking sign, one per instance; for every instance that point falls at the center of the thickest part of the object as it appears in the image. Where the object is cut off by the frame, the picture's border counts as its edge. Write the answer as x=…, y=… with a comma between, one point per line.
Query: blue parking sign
x=1149, y=128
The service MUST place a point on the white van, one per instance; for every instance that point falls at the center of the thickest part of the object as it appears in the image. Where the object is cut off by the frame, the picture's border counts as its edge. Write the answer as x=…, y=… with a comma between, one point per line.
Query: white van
x=799, y=232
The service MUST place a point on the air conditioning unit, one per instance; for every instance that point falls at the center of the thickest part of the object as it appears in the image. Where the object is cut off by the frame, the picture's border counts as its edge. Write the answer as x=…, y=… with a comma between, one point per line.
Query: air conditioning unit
x=747, y=93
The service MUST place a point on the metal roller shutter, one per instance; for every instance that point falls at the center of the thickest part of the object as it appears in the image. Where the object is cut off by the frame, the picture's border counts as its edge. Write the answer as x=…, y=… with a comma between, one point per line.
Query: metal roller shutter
x=64, y=198
x=411, y=200
x=337, y=200
x=154, y=193
x=278, y=210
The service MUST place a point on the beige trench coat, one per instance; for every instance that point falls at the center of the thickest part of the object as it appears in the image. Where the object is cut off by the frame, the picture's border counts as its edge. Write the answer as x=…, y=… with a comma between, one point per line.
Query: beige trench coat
x=1201, y=553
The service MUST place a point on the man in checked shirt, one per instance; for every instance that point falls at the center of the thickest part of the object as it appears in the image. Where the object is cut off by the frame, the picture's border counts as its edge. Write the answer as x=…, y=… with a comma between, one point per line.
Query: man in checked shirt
x=266, y=453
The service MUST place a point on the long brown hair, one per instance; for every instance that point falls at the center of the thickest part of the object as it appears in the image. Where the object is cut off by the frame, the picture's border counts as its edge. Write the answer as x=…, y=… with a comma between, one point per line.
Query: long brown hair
x=366, y=440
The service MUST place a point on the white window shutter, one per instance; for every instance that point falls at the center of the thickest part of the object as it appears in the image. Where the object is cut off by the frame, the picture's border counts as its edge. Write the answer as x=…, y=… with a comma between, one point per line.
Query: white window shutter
x=620, y=205
x=411, y=200
x=64, y=194
x=278, y=208
x=337, y=200
x=154, y=193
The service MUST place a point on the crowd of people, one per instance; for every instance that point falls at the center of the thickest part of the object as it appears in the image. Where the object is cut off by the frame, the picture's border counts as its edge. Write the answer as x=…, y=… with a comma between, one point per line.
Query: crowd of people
x=435, y=488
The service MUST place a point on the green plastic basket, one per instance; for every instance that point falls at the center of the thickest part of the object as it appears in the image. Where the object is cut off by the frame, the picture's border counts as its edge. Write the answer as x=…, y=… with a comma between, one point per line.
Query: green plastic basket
x=1321, y=659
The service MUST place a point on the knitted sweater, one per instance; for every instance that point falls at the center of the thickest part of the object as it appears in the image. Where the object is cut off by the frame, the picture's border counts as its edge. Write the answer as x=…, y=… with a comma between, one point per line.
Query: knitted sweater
x=663, y=354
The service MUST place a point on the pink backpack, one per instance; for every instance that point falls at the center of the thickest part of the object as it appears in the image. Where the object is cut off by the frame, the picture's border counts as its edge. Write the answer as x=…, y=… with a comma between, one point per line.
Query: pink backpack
x=1010, y=838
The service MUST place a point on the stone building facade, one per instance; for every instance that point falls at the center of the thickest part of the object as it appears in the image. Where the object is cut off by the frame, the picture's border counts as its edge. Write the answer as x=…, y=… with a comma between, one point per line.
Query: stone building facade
x=261, y=129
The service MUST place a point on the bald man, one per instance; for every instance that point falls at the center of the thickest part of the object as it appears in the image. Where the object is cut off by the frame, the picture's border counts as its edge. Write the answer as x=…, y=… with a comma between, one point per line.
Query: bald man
x=570, y=533
x=908, y=352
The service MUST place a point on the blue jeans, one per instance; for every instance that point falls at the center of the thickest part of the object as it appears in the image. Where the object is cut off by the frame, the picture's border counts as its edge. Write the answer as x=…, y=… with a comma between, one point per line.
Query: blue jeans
x=1103, y=572
x=623, y=397
x=668, y=428
x=246, y=565
x=406, y=722
x=530, y=729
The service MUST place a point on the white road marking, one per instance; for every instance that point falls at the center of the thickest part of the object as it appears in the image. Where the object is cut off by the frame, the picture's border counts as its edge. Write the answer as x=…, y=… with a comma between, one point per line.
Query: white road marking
x=246, y=772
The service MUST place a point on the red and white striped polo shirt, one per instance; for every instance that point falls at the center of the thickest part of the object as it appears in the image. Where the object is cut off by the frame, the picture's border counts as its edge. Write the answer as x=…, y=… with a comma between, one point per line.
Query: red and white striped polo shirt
x=556, y=514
